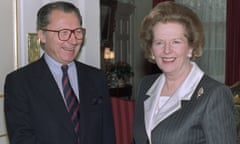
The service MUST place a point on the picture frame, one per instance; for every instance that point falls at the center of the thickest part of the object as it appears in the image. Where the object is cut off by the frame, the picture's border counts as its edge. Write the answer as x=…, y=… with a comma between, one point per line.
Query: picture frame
x=2, y=121
x=33, y=47
x=105, y=22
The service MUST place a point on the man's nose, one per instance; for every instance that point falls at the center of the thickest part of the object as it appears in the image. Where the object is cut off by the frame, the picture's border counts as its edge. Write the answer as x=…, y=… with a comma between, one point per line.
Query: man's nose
x=72, y=38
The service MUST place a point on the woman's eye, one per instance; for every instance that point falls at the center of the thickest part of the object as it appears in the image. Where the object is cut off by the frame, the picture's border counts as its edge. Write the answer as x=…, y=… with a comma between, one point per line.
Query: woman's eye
x=176, y=42
x=159, y=43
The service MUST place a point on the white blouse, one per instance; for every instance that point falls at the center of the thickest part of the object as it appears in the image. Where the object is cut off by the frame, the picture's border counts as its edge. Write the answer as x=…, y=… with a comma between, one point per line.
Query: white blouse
x=157, y=108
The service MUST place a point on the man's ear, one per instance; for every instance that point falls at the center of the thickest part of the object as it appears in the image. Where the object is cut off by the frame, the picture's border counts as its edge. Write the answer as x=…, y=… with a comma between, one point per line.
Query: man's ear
x=41, y=36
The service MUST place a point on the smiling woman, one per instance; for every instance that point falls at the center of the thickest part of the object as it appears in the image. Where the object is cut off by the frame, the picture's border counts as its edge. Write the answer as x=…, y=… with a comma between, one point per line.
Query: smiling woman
x=183, y=90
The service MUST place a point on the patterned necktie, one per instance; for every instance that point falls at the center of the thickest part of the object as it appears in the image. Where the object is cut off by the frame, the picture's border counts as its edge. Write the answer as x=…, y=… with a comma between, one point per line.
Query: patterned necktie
x=71, y=100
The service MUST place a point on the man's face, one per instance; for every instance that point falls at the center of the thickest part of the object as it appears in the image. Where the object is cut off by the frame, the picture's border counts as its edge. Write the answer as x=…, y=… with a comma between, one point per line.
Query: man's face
x=62, y=51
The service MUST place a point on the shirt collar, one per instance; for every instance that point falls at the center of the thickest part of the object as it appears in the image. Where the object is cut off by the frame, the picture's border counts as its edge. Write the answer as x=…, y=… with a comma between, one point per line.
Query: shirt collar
x=54, y=65
x=188, y=86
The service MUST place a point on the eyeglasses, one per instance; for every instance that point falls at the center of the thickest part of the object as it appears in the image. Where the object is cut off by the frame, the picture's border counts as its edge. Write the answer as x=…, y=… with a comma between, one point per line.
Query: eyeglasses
x=65, y=34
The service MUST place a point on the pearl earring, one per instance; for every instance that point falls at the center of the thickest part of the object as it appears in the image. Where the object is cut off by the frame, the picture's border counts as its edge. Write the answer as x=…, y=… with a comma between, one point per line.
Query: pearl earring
x=152, y=57
x=189, y=55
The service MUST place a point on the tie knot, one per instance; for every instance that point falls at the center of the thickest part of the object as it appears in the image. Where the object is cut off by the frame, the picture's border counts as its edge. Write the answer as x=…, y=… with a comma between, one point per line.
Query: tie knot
x=64, y=68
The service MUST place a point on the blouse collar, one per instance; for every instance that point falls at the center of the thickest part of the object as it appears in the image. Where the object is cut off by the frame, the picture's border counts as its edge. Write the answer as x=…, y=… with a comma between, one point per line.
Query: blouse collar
x=184, y=92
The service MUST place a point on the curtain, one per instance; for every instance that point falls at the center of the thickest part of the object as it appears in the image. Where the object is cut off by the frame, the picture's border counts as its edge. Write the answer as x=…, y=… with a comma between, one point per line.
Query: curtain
x=233, y=42
x=123, y=113
x=213, y=16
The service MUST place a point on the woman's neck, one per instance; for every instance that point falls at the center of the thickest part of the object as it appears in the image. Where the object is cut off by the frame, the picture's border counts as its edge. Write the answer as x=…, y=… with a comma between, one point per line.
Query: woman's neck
x=173, y=82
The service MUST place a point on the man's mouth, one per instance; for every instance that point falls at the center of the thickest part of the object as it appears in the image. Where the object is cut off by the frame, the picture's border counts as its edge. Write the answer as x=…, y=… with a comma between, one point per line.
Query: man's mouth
x=68, y=49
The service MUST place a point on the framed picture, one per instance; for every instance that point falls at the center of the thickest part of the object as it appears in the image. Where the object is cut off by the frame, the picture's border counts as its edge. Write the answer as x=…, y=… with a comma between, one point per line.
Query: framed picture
x=3, y=133
x=33, y=47
x=105, y=22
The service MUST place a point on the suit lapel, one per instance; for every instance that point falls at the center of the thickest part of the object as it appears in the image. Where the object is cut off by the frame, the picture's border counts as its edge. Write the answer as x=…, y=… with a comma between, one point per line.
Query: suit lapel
x=85, y=90
x=88, y=96
x=184, y=92
x=152, y=117
x=52, y=95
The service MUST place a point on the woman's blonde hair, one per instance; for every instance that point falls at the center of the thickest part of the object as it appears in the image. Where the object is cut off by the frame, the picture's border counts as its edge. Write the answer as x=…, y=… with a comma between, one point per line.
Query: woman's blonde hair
x=169, y=11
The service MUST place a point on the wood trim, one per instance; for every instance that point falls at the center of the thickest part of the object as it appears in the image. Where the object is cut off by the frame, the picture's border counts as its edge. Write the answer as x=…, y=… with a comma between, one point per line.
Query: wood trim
x=3, y=135
x=16, y=50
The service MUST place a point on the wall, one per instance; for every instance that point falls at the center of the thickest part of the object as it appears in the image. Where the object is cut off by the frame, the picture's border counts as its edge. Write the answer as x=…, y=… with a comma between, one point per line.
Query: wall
x=7, y=55
x=18, y=18
x=142, y=7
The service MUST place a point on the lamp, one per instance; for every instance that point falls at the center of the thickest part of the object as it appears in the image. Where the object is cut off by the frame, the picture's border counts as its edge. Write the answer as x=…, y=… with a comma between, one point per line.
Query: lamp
x=108, y=54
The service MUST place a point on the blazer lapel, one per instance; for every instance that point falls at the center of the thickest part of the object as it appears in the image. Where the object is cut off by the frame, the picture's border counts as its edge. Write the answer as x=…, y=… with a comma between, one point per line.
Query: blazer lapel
x=184, y=92
x=152, y=119
x=85, y=90
x=52, y=95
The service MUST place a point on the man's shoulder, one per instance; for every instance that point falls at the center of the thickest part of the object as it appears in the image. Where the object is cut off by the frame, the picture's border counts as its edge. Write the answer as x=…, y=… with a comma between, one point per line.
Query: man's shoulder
x=85, y=67
x=25, y=68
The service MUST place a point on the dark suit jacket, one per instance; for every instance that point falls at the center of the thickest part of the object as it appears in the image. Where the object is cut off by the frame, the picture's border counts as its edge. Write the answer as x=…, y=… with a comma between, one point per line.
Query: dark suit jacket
x=204, y=119
x=36, y=114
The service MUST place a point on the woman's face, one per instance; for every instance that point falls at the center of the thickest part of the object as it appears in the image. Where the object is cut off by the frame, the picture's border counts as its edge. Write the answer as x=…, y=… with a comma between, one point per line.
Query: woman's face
x=170, y=48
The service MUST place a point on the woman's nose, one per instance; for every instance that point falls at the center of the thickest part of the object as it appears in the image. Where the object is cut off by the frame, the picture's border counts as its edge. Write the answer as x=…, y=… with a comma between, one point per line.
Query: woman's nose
x=167, y=47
